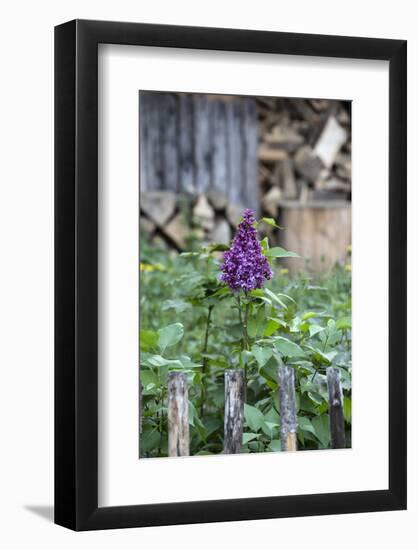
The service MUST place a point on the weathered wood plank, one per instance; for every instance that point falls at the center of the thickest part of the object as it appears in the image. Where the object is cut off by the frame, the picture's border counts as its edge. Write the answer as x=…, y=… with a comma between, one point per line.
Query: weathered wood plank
x=169, y=133
x=154, y=156
x=178, y=426
x=233, y=410
x=220, y=177
x=203, y=143
x=319, y=232
x=144, y=151
x=234, y=138
x=336, y=416
x=250, y=156
x=287, y=408
x=186, y=144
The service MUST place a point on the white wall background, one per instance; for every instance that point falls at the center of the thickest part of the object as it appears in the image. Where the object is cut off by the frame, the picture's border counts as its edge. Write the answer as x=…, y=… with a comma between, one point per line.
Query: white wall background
x=26, y=259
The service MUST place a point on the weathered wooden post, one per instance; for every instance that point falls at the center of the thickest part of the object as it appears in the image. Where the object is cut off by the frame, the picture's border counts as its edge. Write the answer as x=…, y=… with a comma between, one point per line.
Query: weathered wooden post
x=234, y=387
x=178, y=428
x=337, y=420
x=287, y=409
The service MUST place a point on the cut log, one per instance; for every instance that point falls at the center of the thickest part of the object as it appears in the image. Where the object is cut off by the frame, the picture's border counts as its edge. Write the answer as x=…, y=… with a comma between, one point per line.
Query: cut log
x=307, y=163
x=217, y=199
x=330, y=141
x=303, y=109
x=221, y=233
x=146, y=227
x=268, y=154
x=318, y=231
x=282, y=137
x=288, y=179
x=203, y=213
x=158, y=206
x=271, y=200
x=177, y=231
x=234, y=213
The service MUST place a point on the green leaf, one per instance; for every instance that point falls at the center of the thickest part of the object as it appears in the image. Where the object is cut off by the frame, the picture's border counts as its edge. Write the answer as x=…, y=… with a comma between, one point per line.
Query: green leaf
x=344, y=324
x=148, y=340
x=179, y=306
x=272, y=325
x=249, y=437
x=257, y=323
x=288, y=348
x=149, y=440
x=271, y=222
x=347, y=409
x=149, y=381
x=195, y=421
x=320, y=357
x=272, y=416
x=170, y=335
x=309, y=315
x=278, y=252
x=268, y=428
x=321, y=426
x=315, y=329
x=275, y=445
x=217, y=247
x=262, y=355
x=305, y=424
x=159, y=361
x=264, y=244
x=187, y=363
x=275, y=298
x=254, y=417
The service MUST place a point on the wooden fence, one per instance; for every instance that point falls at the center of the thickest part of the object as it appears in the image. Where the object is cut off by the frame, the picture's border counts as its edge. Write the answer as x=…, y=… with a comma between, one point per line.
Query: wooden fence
x=193, y=143
x=178, y=422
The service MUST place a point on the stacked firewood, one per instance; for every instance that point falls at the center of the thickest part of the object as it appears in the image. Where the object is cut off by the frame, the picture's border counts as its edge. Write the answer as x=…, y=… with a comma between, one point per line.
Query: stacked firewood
x=304, y=151
x=304, y=160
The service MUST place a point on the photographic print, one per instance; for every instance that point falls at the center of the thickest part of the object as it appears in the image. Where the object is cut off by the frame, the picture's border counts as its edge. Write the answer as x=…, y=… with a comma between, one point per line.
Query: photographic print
x=244, y=274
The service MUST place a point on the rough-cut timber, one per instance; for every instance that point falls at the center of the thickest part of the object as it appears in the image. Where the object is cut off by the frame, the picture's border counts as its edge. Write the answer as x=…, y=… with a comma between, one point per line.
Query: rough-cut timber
x=287, y=409
x=233, y=410
x=319, y=232
x=194, y=143
x=178, y=427
x=337, y=420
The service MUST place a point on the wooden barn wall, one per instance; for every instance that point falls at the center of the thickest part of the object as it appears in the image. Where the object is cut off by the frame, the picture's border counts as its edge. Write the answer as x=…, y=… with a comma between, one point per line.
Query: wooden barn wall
x=194, y=143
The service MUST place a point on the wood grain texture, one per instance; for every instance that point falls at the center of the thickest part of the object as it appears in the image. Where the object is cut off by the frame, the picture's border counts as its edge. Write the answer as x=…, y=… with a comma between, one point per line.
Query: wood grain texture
x=186, y=169
x=168, y=128
x=202, y=143
x=233, y=410
x=336, y=416
x=287, y=409
x=178, y=425
x=194, y=143
x=319, y=233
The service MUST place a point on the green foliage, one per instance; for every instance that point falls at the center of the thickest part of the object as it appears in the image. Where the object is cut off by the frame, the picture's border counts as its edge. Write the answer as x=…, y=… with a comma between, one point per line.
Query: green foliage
x=191, y=322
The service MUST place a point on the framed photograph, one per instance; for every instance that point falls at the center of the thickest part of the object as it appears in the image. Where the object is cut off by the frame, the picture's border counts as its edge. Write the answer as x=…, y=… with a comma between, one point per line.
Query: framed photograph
x=230, y=244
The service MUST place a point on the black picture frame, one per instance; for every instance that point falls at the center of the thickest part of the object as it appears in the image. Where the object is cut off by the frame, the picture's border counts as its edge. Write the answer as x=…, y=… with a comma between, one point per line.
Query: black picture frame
x=76, y=272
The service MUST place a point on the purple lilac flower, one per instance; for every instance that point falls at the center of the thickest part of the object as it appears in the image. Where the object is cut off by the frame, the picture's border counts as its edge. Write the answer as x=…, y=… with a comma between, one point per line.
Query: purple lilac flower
x=244, y=266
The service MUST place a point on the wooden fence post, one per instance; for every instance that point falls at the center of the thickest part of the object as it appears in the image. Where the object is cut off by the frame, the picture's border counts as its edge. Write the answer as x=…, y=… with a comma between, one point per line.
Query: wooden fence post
x=234, y=386
x=287, y=409
x=337, y=420
x=178, y=428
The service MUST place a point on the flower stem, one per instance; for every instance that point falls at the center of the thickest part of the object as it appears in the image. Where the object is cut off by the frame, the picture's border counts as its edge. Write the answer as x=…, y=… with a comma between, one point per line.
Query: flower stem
x=245, y=323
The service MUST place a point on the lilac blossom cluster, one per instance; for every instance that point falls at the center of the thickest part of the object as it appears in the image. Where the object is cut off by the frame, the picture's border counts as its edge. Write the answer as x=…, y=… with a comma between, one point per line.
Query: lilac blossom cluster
x=244, y=267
